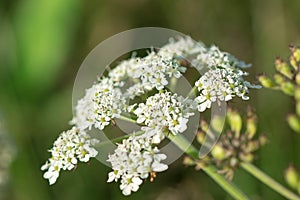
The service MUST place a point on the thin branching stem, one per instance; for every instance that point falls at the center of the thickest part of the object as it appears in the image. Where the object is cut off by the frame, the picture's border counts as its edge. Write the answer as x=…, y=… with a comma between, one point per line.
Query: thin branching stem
x=267, y=180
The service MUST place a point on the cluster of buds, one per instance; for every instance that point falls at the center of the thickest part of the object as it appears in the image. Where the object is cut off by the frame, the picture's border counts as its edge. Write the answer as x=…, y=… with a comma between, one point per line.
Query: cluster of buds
x=287, y=80
x=292, y=178
x=238, y=144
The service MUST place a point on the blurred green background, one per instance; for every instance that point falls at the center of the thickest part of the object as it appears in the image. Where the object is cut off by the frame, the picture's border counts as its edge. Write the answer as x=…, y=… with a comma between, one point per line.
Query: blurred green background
x=42, y=44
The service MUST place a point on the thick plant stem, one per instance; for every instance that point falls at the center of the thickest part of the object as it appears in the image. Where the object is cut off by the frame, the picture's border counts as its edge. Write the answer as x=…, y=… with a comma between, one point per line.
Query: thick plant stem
x=260, y=175
x=211, y=171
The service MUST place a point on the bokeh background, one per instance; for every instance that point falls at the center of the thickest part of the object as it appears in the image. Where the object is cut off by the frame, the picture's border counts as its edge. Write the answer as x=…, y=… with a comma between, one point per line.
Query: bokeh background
x=42, y=44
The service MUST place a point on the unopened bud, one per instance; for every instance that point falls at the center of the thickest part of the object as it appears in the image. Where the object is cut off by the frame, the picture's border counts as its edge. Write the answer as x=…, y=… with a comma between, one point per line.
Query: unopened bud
x=294, y=122
x=293, y=62
x=266, y=81
x=278, y=78
x=247, y=157
x=263, y=140
x=203, y=125
x=296, y=54
x=251, y=126
x=297, y=93
x=235, y=121
x=288, y=88
x=200, y=136
x=218, y=152
x=291, y=177
x=188, y=161
x=297, y=78
x=283, y=68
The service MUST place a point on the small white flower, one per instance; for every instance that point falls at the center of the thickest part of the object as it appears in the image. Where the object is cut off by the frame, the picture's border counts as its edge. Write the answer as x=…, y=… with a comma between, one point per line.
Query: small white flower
x=165, y=110
x=102, y=102
x=133, y=160
x=220, y=84
x=70, y=146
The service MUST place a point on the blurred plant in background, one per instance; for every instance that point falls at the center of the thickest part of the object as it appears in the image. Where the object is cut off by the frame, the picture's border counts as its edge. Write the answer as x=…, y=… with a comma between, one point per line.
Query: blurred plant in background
x=7, y=153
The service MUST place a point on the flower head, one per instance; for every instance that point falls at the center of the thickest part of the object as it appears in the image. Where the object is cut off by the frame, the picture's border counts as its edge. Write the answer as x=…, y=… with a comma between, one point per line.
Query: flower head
x=70, y=146
x=165, y=110
x=134, y=160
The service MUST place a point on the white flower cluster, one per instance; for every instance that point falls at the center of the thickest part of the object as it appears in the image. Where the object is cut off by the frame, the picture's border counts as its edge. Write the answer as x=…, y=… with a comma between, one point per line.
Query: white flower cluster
x=70, y=146
x=182, y=47
x=101, y=103
x=134, y=160
x=165, y=110
x=220, y=84
x=214, y=57
x=155, y=70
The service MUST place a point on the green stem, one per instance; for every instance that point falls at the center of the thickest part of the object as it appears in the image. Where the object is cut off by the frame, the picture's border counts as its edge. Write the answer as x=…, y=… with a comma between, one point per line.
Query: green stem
x=260, y=175
x=128, y=119
x=192, y=92
x=118, y=139
x=211, y=171
x=173, y=83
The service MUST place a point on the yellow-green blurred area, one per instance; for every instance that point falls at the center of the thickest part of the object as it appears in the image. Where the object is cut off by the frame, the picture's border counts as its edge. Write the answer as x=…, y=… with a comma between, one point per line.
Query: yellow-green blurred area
x=43, y=43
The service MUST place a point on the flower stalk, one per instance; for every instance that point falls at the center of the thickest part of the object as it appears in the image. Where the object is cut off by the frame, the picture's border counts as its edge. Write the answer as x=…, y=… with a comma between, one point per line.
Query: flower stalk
x=267, y=180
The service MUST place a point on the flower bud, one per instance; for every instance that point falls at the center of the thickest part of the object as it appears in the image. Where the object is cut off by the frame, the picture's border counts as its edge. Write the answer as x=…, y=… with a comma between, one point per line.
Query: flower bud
x=246, y=157
x=297, y=93
x=293, y=62
x=291, y=177
x=218, y=152
x=200, y=136
x=262, y=140
x=188, y=161
x=204, y=126
x=297, y=78
x=296, y=54
x=288, y=88
x=278, y=78
x=235, y=121
x=283, y=68
x=294, y=122
x=251, y=126
x=266, y=81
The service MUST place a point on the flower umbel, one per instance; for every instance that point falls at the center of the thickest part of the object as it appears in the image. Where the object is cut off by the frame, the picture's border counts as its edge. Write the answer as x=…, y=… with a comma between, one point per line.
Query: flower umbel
x=134, y=160
x=70, y=146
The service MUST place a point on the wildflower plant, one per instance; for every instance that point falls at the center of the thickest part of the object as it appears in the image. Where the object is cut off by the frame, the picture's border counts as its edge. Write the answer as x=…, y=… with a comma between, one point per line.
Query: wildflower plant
x=287, y=80
x=139, y=90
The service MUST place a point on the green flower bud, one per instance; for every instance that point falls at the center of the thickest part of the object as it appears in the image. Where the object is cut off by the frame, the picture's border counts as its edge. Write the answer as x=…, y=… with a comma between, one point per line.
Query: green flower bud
x=200, y=136
x=297, y=78
x=248, y=157
x=204, y=126
x=266, y=81
x=251, y=126
x=291, y=177
x=188, y=161
x=294, y=122
x=218, y=152
x=297, y=93
x=278, y=78
x=293, y=62
x=288, y=88
x=235, y=121
x=283, y=68
x=263, y=140
x=296, y=54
